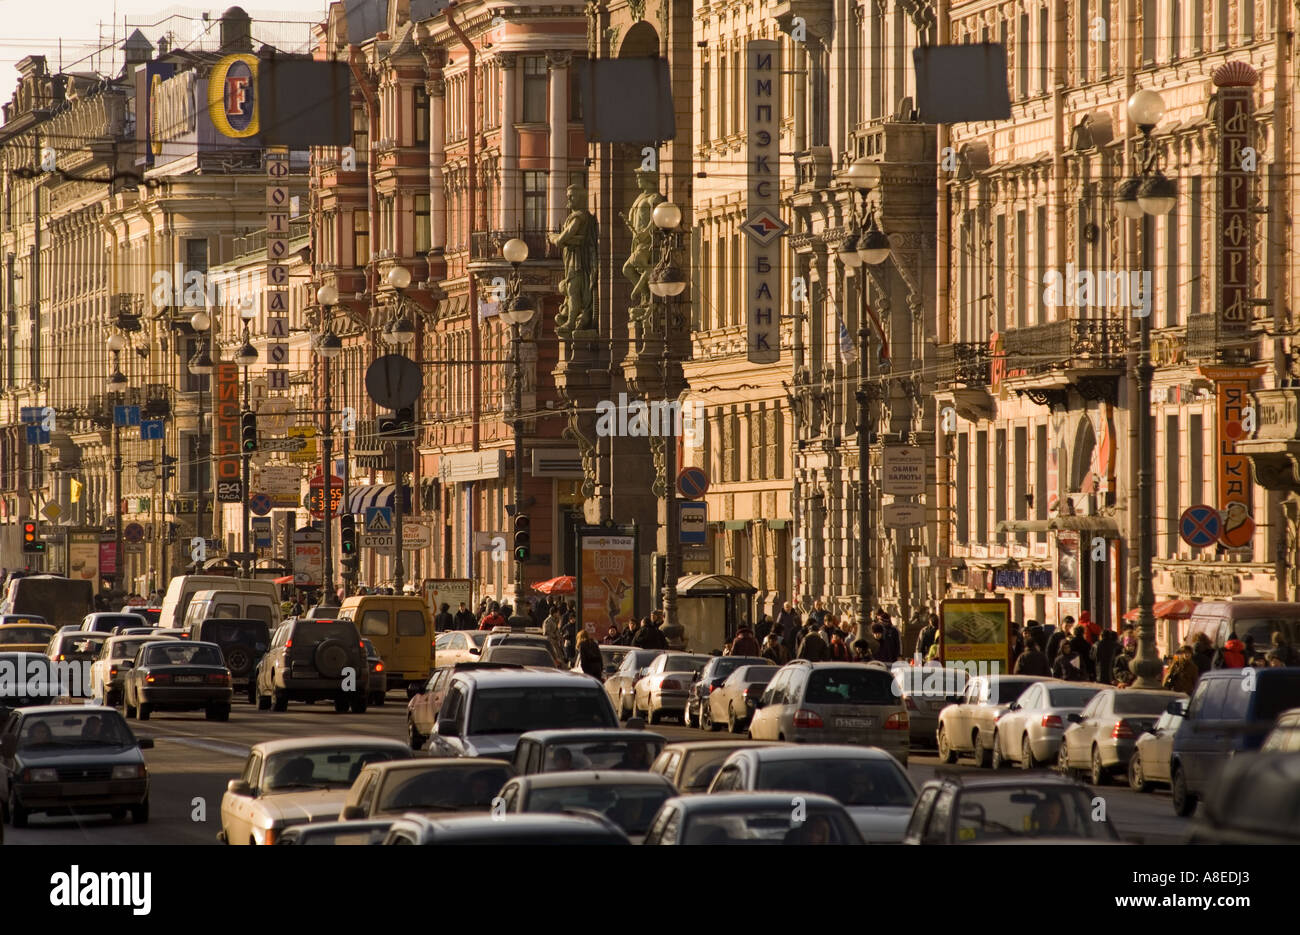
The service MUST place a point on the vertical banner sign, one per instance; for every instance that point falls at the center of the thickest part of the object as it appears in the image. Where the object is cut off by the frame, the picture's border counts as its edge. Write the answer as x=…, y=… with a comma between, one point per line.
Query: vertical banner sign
x=1067, y=566
x=226, y=418
x=1233, y=490
x=763, y=224
x=1237, y=171
x=606, y=579
x=277, y=274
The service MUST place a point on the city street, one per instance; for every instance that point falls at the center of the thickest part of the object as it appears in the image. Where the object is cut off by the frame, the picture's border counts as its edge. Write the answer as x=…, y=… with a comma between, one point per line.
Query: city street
x=194, y=759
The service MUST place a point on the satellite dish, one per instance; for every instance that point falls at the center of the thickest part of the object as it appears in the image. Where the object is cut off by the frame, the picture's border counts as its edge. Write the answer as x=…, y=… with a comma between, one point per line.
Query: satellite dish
x=394, y=381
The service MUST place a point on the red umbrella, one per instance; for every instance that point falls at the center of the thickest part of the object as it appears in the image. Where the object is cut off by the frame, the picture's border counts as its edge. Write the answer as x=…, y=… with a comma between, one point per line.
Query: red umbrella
x=565, y=584
x=1178, y=609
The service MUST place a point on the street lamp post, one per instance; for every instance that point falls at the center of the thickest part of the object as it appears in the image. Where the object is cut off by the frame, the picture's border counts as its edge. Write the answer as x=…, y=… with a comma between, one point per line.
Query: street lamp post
x=667, y=281
x=245, y=357
x=869, y=246
x=201, y=366
x=399, y=332
x=327, y=348
x=116, y=384
x=517, y=311
x=1141, y=197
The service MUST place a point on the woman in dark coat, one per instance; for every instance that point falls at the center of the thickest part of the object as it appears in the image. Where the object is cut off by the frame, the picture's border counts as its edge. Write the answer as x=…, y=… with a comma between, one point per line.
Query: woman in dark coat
x=589, y=656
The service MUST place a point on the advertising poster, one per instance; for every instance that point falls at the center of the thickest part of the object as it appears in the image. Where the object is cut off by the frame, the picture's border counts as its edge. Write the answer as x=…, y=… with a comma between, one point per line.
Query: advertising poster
x=976, y=632
x=606, y=579
x=83, y=555
x=449, y=591
x=1067, y=565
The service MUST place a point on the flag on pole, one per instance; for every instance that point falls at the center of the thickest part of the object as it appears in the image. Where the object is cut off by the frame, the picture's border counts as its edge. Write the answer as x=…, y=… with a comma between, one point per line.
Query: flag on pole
x=848, y=351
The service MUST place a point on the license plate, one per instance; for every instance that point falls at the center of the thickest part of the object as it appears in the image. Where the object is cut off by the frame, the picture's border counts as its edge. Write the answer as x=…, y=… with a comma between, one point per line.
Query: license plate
x=188, y=679
x=88, y=788
x=857, y=723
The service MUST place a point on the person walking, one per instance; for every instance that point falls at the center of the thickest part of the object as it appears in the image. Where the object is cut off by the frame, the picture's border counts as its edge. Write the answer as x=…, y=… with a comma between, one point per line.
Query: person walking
x=1122, y=669
x=763, y=628
x=1202, y=654
x=648, y=636
x=1232, y=655
x=1063, y=632
x=1068, y=665
x=589, y=656
x=813, y=647
x=861, y=651
x=1283, y=650
x=569, y=636
x=927, y=637
x=1103, y=656
x=444, y=620
x=464, y=619
x=773, y=649
x=886, y=634
x=1182, y=674
x=1033, y=661
x=788, y=618
x=1091, y=629
x=551, y=630
x=744, y=644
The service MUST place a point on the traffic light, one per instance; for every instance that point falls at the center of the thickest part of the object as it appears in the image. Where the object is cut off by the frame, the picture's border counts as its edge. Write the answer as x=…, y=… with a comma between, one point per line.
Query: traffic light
x=398, y=424
x=522, y=539
x=248, y=431
x=31, y=541
x=351, y=564
x=348, y=534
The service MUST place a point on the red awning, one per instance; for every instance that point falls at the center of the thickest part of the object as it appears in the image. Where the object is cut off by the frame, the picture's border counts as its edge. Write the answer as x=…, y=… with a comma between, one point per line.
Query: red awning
x=1179, y=609
x=284, y=579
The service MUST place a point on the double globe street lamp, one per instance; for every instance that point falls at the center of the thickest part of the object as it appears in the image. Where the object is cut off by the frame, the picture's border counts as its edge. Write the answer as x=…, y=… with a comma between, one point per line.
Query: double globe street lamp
x=327, y=348
x=116, y=384
x=517, y=311
x=398, y=333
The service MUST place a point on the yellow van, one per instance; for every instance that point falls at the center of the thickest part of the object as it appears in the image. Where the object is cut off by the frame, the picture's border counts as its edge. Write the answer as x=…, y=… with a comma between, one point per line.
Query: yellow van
x=401, y=630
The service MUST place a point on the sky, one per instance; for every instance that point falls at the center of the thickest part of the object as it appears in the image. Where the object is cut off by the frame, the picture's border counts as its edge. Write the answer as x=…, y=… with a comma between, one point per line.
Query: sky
x=30, y=27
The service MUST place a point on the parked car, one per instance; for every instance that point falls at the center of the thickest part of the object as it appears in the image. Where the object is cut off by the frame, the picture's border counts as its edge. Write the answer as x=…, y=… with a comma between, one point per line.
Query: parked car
x=966, y=727
x=926, y=691
x=833, y=702
x=455, y=646
x=867, y=781
x=752, y=818
x=401, y=628
x=62, y=760
x=710, y=680
x=314, y=660
x=378, y=674
x=243, y=643
x=1230, y=712
x=26, y=679
x=505, y=830
x=662, y=690
x=177, y=675
x=397, y=787
x=630, y=800
x=1285, y=735
x=733, y=704
x=338, y=832
x=486, y=712
x=611, y=656
x=107, y=623
x=1149, y=764
x=423, y=707
x=1042, y=808
x=620, y=686
x=25, y=637
x=1256, y=800
x=1029, y=732
x=1101, y=738
x=108, y=671
x=295, y=781
x=691, y=765
x=548, y=751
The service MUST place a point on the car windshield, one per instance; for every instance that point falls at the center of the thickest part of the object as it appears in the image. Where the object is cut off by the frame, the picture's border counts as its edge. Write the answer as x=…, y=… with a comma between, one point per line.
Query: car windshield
x=847, y=685
x=520, y=656
x=183, y=653
x=1070, y=697
x=100, y=728
x=849, y=782
x=1003, y=812
x=682, y=663
x=700, y=766
x=929, y=681
x=82, y=646
x=769, y=826
x=602, y=754
x=126, y=649
x=249, y=632
x=629, y=807
x=25, y=635
x=329, y=768
x=444, y=788
x=104, y=623
x=518, y=710
x=1137, y=703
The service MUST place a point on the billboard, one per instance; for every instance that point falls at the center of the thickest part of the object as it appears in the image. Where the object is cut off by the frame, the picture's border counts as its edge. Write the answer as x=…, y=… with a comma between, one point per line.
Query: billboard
x=976, y=631
x=607, y=577
x=225, y=403
x=449, y=591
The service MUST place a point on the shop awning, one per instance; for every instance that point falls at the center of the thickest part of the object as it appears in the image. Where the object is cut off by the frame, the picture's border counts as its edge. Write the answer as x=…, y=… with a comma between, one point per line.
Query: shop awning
x=1102, y=526
x=362, y=498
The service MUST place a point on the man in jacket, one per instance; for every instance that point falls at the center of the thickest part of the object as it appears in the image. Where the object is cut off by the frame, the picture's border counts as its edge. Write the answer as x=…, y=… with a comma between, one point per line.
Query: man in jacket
x=1103, y=656
x=929, y=633
x=648, y=636
x=1202, y=654
x=813, y=648
x=787, y=619
x=444, y=620
x=1063, y=632
x=891, y=641
x=465, y=618
x=1033, y=661
x=1080, y=647
x=744, y=644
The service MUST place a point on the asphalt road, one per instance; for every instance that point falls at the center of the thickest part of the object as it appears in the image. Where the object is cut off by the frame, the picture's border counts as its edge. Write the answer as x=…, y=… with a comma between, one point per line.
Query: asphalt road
x=193, y=759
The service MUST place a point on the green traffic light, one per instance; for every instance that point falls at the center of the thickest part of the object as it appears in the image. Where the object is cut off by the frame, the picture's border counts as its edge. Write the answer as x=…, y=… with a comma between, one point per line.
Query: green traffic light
x=521, y=554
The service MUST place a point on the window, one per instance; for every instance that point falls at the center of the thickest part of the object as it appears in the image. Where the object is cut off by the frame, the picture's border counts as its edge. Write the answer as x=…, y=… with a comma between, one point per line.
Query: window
x=360, y=237
x=1021, y=479
x=1042, y=50
x=1172, y=462
x=196, y=467
x=360, y=135
x=1248, y=21
x=1175, y=36
x=1084, y=38
x=705, y=134
x=1172, y=271
x=1103, y=14
x=1198, y=26
x=999, y=261
x=1040, y=248
x=534, y=200
x=1000, y=488
x=962, y=504
x=1022, y=269
x=374, y=623
x=1148, y=32
x=981, y=486
x=421, y=116
x=1022, y=57
x=1194, y=246
x=1195, y=457
x=1041, y=493
x=535, y=85
x=410, y=623
x=423, y=234
x=1221, y=23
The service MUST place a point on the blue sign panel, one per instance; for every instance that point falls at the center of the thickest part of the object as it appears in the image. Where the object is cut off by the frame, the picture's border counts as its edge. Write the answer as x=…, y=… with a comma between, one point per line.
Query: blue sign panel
x=152, y=430
x=692, y=523
x=126, y=416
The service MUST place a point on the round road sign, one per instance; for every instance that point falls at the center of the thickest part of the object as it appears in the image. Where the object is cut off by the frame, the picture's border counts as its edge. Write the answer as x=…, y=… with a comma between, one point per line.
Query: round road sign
x=394, y=381
x=260, y=504
x=693, y=483
x=133, y=532
x=1199, y=526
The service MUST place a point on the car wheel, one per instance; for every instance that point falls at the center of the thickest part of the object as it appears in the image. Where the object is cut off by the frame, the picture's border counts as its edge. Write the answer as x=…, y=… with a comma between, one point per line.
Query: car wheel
x=1136, y=781
x=1027, y=760
x=1184, y=801
x=279, y=700
x=264, y=702
x=127, y=709
x=415, y=738
x=358, y=705
x=978, y=751
x=17, y=814
x=997, y=761
x=1099, y=775
x=223, y=713
x=341, y=705
x=117, y=814
x=690, y=720
x=652, y=716
x=732, y=726
x=143, y=710
x=140, y=813
x=946, y=753
x=253, y=696
x=378, y=700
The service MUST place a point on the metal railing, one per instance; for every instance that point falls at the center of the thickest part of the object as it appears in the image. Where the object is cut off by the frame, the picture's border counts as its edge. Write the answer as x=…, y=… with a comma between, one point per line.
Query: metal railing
x=965, y=362
x=256, y=240
x=486, y=245
x=1068, y=344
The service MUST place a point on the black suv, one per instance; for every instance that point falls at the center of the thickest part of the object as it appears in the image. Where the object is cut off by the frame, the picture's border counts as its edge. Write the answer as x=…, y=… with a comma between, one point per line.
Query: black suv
x=311, y=660
x=243, y=643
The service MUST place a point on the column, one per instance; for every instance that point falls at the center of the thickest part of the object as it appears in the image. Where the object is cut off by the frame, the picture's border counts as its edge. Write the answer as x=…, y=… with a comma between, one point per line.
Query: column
x=510, y=219
x=558, y=177
x=437, y=89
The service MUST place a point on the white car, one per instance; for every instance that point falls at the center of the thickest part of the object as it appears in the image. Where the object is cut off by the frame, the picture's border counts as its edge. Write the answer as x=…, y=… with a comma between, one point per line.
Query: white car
x=297, y=781
x=108, y=671
x=1030, y=732
x=453, y=646
x=664, y=687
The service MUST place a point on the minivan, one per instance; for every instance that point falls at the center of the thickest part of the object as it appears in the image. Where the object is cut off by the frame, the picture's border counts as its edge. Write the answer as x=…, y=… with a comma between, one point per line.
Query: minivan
x=1258, y=619
x=182, y=588
x=223, y=604
x=1230, y=711
x=61, y=601
x=401, y=629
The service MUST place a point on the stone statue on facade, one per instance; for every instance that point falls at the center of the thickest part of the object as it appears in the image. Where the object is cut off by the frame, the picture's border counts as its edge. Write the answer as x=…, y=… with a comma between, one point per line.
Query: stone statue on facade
x=640, y=221
x=577, y=241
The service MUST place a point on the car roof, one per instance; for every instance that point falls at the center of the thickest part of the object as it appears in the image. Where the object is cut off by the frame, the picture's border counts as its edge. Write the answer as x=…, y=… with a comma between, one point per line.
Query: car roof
x=326, y=741
x=592, y=777
x=731, y=801
x=26, y=626
x=966, y=781
x=687, y=746
x=608, y=733
x=66, y=709
x=439, y=762
x=523, y=676
x=821, y=751
x=477, y=823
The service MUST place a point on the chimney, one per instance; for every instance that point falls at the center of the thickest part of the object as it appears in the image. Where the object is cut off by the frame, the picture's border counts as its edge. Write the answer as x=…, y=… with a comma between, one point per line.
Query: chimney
x=236, y=31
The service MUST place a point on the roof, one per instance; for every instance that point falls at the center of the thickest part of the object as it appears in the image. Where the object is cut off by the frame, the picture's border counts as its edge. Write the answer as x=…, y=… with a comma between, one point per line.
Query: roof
x=737, y=743
x=429, y=764
x=607, y=733
x=821, y=751
x=733, y=801
x=327, y=740
x=507, y=824
x=66, y=709
x=524, y=676
x=966, y=780
x=713, y=584
x=592, y=777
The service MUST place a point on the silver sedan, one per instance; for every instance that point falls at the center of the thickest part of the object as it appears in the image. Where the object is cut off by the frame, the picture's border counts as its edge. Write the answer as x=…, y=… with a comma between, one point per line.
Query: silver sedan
x=1030, y=732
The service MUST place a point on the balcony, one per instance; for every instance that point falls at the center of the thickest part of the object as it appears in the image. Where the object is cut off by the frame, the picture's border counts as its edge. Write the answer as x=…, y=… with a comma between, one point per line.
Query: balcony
x=1044, y=362
x=1275, y=447
x=255, y=242
x=964, y=363
x=812, y=169
x=485, y=246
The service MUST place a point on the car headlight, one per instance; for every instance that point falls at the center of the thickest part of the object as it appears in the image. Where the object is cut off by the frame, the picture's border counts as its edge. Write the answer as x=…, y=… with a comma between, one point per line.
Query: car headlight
x=131, y=771
x=42, y=775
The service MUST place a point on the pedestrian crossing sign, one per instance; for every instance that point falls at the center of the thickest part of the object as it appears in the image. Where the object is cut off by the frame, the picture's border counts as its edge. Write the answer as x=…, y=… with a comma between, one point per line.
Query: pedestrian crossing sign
x=379, y=519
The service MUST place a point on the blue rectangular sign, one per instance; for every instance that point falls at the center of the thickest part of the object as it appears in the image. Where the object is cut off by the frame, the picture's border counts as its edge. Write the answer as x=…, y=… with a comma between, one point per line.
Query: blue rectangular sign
x=126, y=416
x=31, y=414
x=261, y=532
x=37, y=435
x=692, y=525
x=152, y=430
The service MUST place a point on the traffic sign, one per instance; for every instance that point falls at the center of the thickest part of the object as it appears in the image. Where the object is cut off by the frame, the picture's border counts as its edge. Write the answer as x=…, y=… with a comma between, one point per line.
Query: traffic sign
x=126, y=416
x=379, y=520
x=37, y=435
x=260, y=504
x=1199, y=526
x=693, y=483
x=692, y=525
x=52, y=511
x=132, y=532
x=378, y=541
x=261, y=532
x=394, y=381
x=152, y=430
x=903, y=515
x=415, y=536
